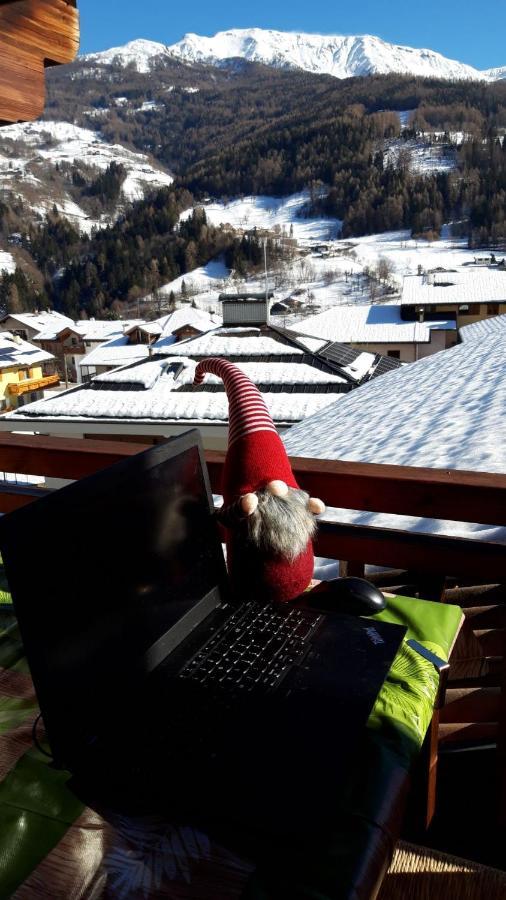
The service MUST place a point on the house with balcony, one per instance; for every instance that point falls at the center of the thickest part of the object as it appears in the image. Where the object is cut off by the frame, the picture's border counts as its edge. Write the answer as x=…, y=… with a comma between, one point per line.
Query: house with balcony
x=70, y=343
x=22, y=372
x=466, y=294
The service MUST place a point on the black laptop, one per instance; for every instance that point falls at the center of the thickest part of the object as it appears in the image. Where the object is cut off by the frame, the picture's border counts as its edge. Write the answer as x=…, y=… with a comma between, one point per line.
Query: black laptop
x=157, y=686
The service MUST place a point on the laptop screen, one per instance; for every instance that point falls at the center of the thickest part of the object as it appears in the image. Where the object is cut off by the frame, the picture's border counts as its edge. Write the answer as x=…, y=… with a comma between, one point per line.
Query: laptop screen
x=109, y=574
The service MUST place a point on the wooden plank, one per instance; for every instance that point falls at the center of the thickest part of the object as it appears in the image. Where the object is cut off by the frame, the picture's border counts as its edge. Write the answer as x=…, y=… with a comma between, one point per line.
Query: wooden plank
x=60, y=457
x=405, y=490
x=14, y=496
x=467, y=732
x=479, y=704
x=33, y=34
x=412, y=550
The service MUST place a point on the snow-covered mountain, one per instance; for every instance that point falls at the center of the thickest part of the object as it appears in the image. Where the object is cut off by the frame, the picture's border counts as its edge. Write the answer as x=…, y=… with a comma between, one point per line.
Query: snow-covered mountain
x=338, y=55
x=141, y=54
x=39, y=159
x=343, y=56
x=495, y=74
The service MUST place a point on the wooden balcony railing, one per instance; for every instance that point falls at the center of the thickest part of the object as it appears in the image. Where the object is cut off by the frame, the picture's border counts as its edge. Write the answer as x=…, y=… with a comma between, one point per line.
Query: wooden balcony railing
x=425, y=493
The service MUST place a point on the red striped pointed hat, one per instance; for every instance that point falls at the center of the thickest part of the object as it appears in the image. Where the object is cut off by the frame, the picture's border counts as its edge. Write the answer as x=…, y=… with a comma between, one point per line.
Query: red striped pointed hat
x=256, y=453
x=255, y=456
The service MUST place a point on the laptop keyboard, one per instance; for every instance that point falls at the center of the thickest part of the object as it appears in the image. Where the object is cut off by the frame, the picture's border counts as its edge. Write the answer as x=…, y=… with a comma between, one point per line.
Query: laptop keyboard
x=254, y=649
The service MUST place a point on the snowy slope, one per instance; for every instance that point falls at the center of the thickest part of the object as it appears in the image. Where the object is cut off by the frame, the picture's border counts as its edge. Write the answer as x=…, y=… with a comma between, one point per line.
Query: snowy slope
x=30, y=153
x=283, y=213
x=495, y=74
x=339, y=55
x=7, y=263
x=141, y=54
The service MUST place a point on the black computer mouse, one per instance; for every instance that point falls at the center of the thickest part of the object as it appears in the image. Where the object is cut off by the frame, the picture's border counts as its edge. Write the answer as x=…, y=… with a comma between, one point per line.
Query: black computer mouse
x=354, y=596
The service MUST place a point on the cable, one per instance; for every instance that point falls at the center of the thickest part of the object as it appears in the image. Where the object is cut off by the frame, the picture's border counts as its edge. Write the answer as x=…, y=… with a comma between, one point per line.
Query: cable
x=35, y=740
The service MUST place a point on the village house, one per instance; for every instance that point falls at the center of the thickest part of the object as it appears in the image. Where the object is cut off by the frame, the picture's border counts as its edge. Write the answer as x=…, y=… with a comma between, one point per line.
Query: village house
x=380, y=329
x=22, y=378
x=466, y=294
x=152, y=395
x=140, y=340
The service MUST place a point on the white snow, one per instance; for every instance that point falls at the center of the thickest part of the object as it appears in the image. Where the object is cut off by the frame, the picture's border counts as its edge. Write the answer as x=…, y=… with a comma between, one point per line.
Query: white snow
x=366, y=324
x=280, y=373
x=474, y=284
x=141, y=54
x=343, y=56
x=405, y=253
x=479, y=330
x=163, y=403
x=280, y=214
x=7, y=263
x=223, y=344
x=206, y=278
x=421, y=157
x=446, y=411
x=14, y=351
x=46, y=144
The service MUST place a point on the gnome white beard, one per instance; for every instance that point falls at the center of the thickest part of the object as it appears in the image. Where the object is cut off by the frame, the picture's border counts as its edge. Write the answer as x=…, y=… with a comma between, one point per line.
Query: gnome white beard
x=281, y=526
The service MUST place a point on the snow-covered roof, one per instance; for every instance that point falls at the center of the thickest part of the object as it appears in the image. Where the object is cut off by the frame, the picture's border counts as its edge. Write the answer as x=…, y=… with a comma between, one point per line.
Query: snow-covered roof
x=444, y=411
x=187, y=315
x=39, y=321
x=478, y=330
x=281, y=373
x=87, y=329
x=16, y=352
x=462, y=286
x=367, y=324
x=229, y=343
x=162, y=402
x=115, y=352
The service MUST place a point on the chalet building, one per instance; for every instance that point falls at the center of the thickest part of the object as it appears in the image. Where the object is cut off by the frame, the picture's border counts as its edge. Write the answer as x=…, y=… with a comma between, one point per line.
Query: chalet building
x=378, y=329
x=70, y=344
x=466, y=294
x=22, y=372
x=154, y=396
x=140, y=340
x=28, y=325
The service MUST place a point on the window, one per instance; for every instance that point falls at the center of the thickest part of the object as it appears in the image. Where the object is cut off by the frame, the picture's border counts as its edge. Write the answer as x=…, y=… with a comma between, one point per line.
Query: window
x=492, y=309
x=466, y=310
x=395, y=354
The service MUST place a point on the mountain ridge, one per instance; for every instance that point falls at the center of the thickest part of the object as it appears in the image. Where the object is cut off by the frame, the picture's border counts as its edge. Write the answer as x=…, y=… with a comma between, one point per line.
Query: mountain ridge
x=342, y=56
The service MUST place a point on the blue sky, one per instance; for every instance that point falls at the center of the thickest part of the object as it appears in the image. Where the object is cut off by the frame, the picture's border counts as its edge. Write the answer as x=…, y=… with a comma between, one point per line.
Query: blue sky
x=471, y=33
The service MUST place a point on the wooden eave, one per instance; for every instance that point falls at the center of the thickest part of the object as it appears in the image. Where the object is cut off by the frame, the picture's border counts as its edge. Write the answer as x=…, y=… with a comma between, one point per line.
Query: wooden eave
x=34, y=34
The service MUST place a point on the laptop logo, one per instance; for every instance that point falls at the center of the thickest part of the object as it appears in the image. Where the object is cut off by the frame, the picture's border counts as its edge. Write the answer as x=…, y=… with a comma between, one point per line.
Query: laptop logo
x=374, y=636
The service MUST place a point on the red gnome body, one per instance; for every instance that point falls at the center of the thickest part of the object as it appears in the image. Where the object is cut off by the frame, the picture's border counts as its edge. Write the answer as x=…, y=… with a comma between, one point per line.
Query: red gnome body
x=256, y=461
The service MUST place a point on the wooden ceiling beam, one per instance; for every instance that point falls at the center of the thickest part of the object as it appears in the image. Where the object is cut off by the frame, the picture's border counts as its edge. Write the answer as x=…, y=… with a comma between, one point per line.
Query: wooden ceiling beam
x=34, y=34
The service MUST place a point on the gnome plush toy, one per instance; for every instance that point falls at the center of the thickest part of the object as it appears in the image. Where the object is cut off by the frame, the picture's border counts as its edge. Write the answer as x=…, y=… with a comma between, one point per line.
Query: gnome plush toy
x=268, y=519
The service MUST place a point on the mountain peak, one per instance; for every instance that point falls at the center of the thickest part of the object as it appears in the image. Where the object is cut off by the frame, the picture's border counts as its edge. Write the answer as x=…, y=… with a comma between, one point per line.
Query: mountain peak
x=342, y=56
x=140, y=53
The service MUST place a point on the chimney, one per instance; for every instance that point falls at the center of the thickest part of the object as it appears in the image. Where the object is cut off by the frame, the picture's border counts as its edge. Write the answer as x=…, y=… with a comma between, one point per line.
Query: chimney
x=246, y=309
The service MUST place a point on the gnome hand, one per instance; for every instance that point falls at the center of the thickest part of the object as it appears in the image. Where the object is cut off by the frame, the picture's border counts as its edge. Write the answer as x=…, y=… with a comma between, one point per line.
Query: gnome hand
x=245, y=506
